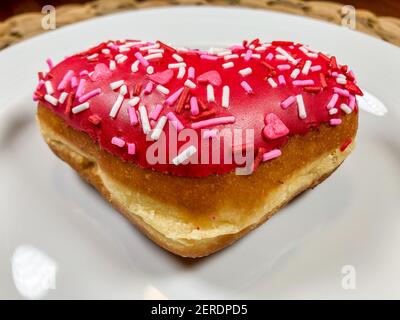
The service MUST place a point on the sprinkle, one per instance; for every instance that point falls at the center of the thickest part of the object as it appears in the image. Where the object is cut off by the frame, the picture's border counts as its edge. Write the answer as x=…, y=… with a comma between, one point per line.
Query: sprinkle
x=323, y=80
x=162, y=89
x=228, y=65
x=153, y=56
x=175, y=121
x=122, y=59
x=177, y=57
x=81, y=107
x=341, y=80
x=303, y=82
x=283, y=67
x=152, y=46
x=225, y=96
x=194, y=106
x=116, y=84
x=131, y=148
x=50, y=63
x=123, y=90
x=300, y=107
x=118, y=142
x=134, y=101
x=271, y=155
x=176, y=65
x=112, y=65
x=344, y=146
x=333, y=111
x=81, y=87
x=184, y=155
x=132, y=116
x=191, y=73
x=280, y=57
x=306, y=68
x=89, y=95
x=345, y=108
x=295, y=73
x=287, y=55
x=352, y=102
x=156, y=112
x=210, y=133
x=210, y=93
x=155, y=135
x=148, y=88
x=182, y=100
x=138, y=89
x=272, y=82
x=213, y=122
x=135, y=66
x=144, y=119
x=208, y=57
x=281, y=79
x=342, y=92
x=246, y=71
x=173, y=97
x=269, y=56
x=190, y=84
x=94, y=119
x=141, y=59
x=246, y=87
x=248, y=54
x=83, y=73
x=315, y=68
x=49, y=87
x=67, y=77
x=155, y=51
x=62, y=97
x=333, y=101
x=117, y=104
x=288, y=102
x=74, y=82
x=105, y=51
x=224, y=53
x=93, y=56
x=49, y=98
x=335, y=122
x=181, y=73
x=150, y=70
x=231, y=56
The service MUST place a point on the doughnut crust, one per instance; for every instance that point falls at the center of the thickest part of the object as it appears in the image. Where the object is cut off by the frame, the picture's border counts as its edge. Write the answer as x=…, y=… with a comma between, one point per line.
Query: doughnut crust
x=194, y=217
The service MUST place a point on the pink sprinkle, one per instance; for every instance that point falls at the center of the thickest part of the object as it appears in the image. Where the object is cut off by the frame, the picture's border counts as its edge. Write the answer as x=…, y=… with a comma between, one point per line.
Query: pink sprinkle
x=208, y=57
x=352, y=102
x=141, y=59
x=342, y=92
x=50, y=63
x=83, y=73
x=287, y=102
x=191, y=73
x=236, y=47
x=133, y=119
x=40, y=84
x=35, y=97
x=248, y=54
x=269, y=56
x=315, y=68
x=210, y=133
x=175, y=121
x=156, y=112
x=272, y=154
x=333, y=101
x=89, y=95
x=67, y=77
x=281, y=79
x=149, y=88
x=131, y=148
x=118, y=142
x=303, y=82
x=213, y=122
x=81, y=87
x=335, y=122
x=283, y=67
x=74, y=82
x=173, y=97
x=246, y=87
x=194, y=106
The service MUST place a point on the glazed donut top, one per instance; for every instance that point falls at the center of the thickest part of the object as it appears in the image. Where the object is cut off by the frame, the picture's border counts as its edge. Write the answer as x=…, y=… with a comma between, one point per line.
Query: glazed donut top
x=131, y=96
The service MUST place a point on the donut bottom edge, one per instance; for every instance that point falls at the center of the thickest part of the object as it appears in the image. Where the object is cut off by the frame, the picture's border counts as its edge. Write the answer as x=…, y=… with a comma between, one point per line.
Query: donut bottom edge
x=206, y=224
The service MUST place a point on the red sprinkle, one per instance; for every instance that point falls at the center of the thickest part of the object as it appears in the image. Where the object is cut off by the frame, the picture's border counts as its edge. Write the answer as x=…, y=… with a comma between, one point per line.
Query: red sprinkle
x=94, y=119
x=323, y=80
x=345, y=144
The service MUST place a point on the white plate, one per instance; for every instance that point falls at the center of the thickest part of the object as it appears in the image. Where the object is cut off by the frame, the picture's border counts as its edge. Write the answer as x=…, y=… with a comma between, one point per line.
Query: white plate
x=50, y=220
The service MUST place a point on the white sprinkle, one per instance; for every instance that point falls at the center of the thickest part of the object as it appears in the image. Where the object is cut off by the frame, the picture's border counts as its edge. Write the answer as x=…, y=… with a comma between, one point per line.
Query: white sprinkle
x=306, y=67
x=117, y=104
x=124, y=49
x=153, y=56
x=312, y=55
x=49, y=98
x=260, y=49
x=295, y=73
x=150, y=70
x=112, y=65
x=225, y=96
x=184, y=155
x=280, y=57
x=190, y=84
x=181, y=73
x=162, y=89
x=176, y=65
x=152, y=46
x=332, y=111
x=122, y=59
x=177, y=57
x=345, y=108
x=158, y=128
x=231, y=56
x=287, y=55
x=135, y=66
x=93, y=56
x=210, y=93
x=246, y=71
x=303, y=49
x=105, y=51
x=155, y=51
x=123, y=90
x=80, y=107
x=224, y=53
x=228, y=65
x=341, y=80
x=300, y=107
x=144, y=120
x=62, y=97
x=116, y=84
x=49, y=87
x=134, y=101
x=272, y=82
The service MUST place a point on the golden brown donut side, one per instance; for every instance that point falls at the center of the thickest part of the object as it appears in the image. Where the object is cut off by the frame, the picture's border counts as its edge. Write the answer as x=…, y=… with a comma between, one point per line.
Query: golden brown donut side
x=195, y=217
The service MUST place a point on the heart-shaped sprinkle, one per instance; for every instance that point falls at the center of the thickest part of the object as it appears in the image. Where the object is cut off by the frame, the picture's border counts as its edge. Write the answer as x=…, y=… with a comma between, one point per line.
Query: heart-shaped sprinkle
x=101, y=72
x=162, y=77
x=212, y=77
x=274, y=127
